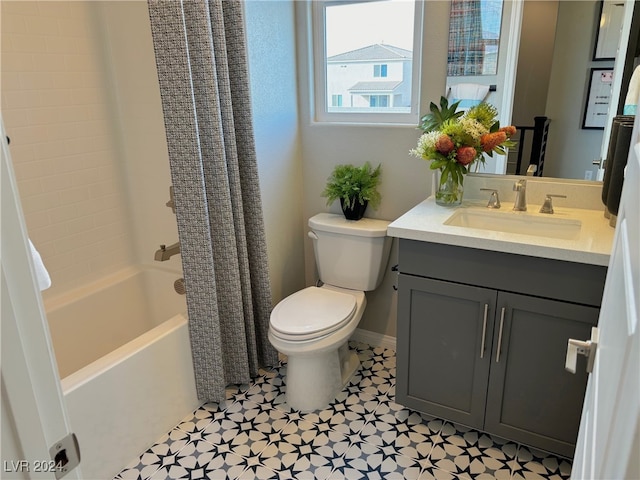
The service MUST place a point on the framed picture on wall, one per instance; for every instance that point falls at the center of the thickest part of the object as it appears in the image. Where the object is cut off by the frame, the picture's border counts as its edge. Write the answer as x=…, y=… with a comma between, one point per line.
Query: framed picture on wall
x=598, y=98
x=608, y=30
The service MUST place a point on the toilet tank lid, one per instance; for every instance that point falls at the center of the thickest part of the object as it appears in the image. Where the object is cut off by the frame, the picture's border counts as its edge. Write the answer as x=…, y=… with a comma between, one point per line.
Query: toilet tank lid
x=365, y=227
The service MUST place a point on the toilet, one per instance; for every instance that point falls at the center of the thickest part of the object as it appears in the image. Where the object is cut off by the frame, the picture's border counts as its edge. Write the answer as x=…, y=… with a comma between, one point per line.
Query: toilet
x=313, y=325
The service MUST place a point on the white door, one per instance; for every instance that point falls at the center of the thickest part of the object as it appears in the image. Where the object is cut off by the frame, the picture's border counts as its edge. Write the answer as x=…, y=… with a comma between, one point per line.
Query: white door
x=31, y=393
x=609, y=440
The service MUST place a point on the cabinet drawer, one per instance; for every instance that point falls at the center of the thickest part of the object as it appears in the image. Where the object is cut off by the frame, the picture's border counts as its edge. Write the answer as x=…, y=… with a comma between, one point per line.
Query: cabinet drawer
x=541, y=277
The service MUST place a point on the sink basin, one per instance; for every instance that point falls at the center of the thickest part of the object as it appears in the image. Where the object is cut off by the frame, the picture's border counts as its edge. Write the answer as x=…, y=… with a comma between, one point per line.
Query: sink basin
x=516, y=222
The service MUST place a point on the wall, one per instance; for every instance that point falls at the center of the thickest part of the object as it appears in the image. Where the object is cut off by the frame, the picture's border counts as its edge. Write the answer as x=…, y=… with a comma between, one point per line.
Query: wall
x=272, y=70
x=56, y=114
x=82, y=107
x=128, y=62
x=406, y=180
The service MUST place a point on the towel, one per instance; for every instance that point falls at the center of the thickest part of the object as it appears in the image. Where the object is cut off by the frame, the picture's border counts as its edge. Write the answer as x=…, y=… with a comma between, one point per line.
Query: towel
x=468, y=94
x=631, y=101
x=44, y=281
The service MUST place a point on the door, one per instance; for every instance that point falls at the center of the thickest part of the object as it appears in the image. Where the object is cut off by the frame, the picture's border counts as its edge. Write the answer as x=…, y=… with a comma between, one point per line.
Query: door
x=32, y=396
x=531, y=397
x=609, y=438
x=444, y=330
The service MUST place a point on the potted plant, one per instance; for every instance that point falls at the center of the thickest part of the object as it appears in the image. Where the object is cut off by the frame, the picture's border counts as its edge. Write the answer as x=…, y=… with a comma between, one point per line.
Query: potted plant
x=355, y=187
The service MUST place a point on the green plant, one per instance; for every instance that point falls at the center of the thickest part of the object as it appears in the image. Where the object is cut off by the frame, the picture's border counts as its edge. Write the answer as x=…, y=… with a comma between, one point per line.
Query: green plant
x=354, y=184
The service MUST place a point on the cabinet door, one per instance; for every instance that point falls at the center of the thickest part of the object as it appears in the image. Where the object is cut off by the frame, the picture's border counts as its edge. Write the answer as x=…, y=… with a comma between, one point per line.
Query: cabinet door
x=444, y=346
x=531, y=397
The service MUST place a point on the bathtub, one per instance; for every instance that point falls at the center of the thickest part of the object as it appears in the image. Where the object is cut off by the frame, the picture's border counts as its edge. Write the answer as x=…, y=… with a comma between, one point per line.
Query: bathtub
x=123, y=353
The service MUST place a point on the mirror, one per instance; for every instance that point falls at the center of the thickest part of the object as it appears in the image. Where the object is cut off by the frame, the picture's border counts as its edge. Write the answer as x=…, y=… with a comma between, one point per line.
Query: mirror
x=555, y=59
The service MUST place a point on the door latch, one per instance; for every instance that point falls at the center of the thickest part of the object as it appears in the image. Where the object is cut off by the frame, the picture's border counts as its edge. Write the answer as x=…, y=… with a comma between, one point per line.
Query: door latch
x=586, y=348
x=65, y=455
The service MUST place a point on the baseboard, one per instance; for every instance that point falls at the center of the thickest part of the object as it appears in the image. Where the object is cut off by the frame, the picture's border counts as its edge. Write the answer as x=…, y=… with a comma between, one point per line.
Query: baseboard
x=374, y=339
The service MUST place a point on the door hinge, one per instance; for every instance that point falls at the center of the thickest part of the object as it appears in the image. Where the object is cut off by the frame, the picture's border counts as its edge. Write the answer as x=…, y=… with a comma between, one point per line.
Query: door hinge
x=65, y=455
x=586, y=348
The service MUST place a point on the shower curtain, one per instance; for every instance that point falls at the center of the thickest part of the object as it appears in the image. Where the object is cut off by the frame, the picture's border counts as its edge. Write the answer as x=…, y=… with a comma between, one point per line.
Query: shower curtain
x=201, y=58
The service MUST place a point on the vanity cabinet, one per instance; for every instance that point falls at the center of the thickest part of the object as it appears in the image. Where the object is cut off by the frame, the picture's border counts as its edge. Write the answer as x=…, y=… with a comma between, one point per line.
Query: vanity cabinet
x=482, y=339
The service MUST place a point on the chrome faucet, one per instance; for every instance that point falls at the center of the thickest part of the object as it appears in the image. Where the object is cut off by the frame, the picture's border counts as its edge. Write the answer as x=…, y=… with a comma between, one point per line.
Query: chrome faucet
x=165, y=253
x=520, y=204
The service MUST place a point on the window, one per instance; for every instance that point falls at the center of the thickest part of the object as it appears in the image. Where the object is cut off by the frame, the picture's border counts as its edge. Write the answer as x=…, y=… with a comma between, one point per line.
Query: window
x=379, y=70
x=366, y=60
x=379, y=100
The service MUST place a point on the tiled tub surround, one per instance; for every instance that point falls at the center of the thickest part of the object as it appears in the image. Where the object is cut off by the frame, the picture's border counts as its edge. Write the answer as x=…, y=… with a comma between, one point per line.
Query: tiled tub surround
x=363, y=434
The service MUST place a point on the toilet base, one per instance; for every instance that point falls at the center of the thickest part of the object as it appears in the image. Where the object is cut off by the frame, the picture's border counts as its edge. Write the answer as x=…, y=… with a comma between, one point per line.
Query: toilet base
x=313, y=381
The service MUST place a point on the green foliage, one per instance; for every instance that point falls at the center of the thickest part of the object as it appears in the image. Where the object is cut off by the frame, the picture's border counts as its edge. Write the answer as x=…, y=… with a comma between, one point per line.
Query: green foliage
x=352, y=184
x=434, y=120
x=485, y=113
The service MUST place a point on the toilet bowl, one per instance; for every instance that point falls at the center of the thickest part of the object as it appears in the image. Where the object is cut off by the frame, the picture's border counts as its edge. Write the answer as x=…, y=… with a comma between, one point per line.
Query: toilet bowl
x=312, y=326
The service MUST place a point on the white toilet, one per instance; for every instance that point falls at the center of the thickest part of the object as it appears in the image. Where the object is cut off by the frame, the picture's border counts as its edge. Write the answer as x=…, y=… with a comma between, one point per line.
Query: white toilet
x=312, y=326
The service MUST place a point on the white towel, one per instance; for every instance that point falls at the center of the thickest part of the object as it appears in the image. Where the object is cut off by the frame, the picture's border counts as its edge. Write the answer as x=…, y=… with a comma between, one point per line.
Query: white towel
x=44, y=280
x=468, y=94
x=631, y=101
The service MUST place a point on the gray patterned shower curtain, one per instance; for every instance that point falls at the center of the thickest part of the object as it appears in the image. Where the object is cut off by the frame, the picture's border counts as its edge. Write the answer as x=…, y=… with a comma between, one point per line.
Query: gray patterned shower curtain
x=201, y=57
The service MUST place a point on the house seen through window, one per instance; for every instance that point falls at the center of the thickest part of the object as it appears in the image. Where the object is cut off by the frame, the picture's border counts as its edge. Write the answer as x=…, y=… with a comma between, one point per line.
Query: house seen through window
x=367, y=60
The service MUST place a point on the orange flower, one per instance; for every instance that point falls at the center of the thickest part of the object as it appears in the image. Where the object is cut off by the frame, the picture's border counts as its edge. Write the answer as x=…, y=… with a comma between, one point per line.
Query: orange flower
x=465, y=155
x=491, y=140
x=510, y=130
x=444, y=144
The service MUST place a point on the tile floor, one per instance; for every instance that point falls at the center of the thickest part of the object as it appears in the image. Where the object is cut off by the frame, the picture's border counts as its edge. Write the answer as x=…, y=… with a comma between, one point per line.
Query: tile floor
x=363, y=434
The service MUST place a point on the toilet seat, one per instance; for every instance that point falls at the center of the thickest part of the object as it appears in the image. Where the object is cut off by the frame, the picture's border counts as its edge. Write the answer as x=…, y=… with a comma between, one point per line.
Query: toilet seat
x=311, y=313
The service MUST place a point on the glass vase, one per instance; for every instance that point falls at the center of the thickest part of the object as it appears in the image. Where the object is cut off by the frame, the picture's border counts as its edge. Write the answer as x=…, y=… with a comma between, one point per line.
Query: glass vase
x=449, y=193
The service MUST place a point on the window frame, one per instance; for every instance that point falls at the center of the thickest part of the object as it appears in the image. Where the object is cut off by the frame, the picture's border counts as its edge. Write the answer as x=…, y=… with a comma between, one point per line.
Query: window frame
x=318, y=64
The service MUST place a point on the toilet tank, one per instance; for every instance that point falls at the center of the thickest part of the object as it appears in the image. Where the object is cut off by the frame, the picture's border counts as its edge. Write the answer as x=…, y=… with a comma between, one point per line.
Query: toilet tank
x=350, y=254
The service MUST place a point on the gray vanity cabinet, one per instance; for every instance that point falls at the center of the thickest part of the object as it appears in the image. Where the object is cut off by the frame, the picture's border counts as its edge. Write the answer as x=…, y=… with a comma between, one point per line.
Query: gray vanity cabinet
x=482, y=339
x=443, y=366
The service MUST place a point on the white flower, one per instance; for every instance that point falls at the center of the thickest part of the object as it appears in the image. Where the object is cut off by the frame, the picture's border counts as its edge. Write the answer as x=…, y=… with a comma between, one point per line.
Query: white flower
x=426, y=142
x=473, y=127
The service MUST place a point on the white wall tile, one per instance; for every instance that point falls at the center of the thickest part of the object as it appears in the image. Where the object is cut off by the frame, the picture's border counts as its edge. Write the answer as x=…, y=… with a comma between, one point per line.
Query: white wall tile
x=56, y=112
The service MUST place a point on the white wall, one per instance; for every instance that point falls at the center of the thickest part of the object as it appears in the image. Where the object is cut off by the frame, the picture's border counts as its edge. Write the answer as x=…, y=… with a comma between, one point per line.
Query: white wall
x=406, y=180
x=272, y=68
x=137, y=122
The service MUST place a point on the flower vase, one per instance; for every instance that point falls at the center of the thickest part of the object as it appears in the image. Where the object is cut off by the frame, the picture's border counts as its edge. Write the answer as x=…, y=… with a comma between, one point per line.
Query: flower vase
x=449, y=193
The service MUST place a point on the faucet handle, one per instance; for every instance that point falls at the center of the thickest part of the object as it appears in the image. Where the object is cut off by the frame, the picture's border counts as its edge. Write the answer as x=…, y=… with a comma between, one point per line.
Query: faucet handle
x=519, y=185
x=494, y=200
x=547, y=206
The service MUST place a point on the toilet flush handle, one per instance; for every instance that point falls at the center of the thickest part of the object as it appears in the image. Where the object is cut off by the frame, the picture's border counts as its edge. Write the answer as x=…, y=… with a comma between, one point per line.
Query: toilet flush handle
x=312, y=235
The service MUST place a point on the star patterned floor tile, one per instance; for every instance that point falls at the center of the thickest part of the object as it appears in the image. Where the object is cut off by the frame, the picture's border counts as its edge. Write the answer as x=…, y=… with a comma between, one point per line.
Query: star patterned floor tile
x=534, y=464
x=361, y=434
x=472, y=454
x=367, y=461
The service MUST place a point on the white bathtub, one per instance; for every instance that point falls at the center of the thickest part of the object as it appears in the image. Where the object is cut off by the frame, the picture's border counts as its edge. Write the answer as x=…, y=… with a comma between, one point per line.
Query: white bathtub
x=122, y=346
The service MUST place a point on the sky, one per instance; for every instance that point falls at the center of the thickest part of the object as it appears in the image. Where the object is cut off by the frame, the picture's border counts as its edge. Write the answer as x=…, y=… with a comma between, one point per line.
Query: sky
x=352, y=26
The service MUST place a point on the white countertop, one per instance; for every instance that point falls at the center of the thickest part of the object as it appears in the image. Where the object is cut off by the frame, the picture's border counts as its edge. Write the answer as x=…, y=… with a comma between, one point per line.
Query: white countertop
x=592, y=245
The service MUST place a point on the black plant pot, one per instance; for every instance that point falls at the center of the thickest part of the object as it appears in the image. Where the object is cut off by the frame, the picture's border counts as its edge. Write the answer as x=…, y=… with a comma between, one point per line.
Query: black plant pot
x=356, y=211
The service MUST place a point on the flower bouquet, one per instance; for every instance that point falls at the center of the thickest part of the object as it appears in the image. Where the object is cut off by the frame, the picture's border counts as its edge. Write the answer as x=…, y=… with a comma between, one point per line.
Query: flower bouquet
x=455, y=141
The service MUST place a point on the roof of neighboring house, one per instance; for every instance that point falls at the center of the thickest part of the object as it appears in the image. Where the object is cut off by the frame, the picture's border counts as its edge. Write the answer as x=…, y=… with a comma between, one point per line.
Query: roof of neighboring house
x=375, y=86
x=373, y=52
